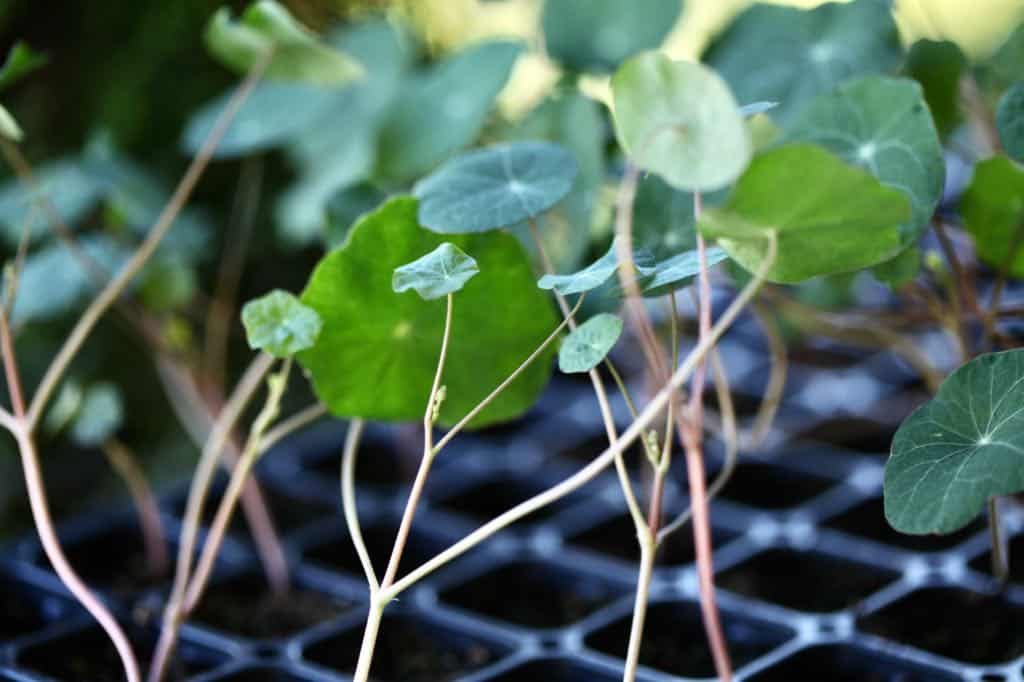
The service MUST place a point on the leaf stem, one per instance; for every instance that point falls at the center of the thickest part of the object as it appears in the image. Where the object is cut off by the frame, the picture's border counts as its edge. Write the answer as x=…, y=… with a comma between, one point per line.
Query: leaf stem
x=348, y=500
x=1000, y=557
x=126, y=465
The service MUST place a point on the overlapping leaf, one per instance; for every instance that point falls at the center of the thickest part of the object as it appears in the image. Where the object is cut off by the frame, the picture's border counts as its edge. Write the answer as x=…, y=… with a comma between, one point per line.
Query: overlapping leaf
x=1010, y=121
x=443, y=271
x=280, y=324
x=588, y=344
x=993, y=211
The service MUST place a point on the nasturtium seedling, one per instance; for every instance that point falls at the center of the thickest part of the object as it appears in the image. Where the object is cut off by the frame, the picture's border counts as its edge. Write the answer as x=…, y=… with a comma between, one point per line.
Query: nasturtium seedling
x=882, y=125
x=679, y=120
x=378, y=351
x=598, y=35
x=678, y=271
x=495, y=187
x=296, y=53
x=443, y=271
x=790, y=55
x=280, y=324
x=828, y=216
x=587, y=279
x=992, y=207
x=590, y=343
x=99, y=415
x=1010, y=121
x=959, y=449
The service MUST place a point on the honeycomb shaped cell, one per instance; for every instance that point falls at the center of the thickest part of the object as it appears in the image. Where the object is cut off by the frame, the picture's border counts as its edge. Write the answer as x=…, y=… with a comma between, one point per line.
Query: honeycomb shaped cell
x=288, y=511
x=847, y=663
x=675, y=641
x=616, y=537
x=867, y=520
x=490, y=499
x=533, y=594
x=953, y=622
x=336, y=552
x=243, y=605
x=24, y=609
x=262, y=674
x=851, y=433
x=553, y=670
x=409, y=649
x=804, y=580
x=767, y=486
x=88, y=655
x=1015, y=546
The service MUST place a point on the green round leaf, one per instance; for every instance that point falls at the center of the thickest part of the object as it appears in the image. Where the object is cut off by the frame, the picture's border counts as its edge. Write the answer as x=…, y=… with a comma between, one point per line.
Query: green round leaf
x=443, y=271
x=993, y=211
x=378, y=351
x=960, y=448
x=679, y=120
x=828, y=216
x=883, y=125
x=588, y=344
x=268, y=118
x=1010, y=121
x=495, y=187
x=99, y=416
x=280, y=324
x=297, y=53
x=439, y=112
x=789, y=55
x=598, y=35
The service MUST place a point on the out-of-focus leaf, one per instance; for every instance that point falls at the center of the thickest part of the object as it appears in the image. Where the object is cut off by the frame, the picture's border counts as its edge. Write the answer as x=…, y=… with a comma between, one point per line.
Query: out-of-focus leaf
x=589, y=344
x=993, y=212
x=938, y=66
x=1010, y=121
x=280, y=324
x=99, y=416
x=21, y=61
x=346, y=207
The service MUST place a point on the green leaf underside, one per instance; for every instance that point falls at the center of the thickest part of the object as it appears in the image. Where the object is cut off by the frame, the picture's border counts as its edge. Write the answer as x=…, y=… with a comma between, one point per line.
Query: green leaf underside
x=268, y=118
x=443, y=271
x=679, y=120
x=495, y=187
x=587, y=279
x=830, y=217
x=21, y=61
x=678, y=271
x=937, y=66
x=588, y=344
x=959, y=449
x=789, y=56
x=441, y=111
x=1010, y=121
x=297, y=53
x=992, y=207
x=280, y=324
x=883, y=125
x=99, y=416
x=598, y=35
x=378, y=351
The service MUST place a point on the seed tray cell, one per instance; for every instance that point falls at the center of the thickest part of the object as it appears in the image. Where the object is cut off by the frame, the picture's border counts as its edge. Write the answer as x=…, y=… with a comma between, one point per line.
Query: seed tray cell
x=812, y=583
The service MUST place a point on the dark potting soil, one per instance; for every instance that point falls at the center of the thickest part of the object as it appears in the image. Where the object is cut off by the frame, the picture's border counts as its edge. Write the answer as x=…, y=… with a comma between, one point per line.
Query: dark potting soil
x=953, y=622
x=804, y=581
x=674, y=640
x=243, y=606
x=338, y=553
x=587, y=450
x=531, y=594
x=20, y=614
x=617, y=537
x=378, y=464
x=867, y=520
x=493, y=498
x=114, y=559
x=1015, y=549
x=407, y=650
x=288, y=512
x=840, y=663
x=88, y=656
x=771, y=487
x=553, y=670
x=261, y=675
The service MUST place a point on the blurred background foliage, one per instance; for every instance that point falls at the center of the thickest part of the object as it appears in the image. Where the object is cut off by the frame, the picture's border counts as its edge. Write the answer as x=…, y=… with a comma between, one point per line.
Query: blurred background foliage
x=110, y=118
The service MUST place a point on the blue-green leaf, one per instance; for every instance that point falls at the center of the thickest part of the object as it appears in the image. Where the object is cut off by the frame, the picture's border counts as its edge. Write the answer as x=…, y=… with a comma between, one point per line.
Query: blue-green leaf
x=588, y=344
x=280, y=324
x=443, y=271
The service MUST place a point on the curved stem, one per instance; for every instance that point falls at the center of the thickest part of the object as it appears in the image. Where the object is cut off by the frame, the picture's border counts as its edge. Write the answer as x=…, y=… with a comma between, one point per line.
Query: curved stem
x=161, y=227
x=776, y=377
x=198, y=491
x=602, y=461
x=125, y=464
x=296, y=422
x=348, y=500
x=648, y=551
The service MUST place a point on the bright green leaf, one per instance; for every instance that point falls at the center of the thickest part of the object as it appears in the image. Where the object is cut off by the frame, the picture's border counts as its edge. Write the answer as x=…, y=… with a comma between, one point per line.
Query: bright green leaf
x=1010, y=121
x=441, y=111
x=828, y=216
x=938, y=66
x=588, y=344
x=789, y=55
x=960, y=448
x=443, y=271
x=280, y=324
x=993, y=211
x=495, y=187
x=297, y=53
x=598, y=35
x=268, y=118
x=679, y=120
x=378, y=351
x=100, y=415
x=21, y=61
x=884, y=126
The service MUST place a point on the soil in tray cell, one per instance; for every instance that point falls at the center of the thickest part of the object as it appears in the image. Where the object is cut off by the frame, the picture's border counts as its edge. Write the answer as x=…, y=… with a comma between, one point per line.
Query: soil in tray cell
x=114, y=559
x=839, y=663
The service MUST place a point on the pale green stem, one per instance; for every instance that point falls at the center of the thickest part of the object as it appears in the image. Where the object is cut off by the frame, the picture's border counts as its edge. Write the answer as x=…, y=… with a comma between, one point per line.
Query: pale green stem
x=348, y=500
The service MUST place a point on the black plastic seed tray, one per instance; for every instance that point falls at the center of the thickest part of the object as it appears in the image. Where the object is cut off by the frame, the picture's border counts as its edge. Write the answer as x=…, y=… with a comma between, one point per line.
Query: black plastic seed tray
x=813, y=584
